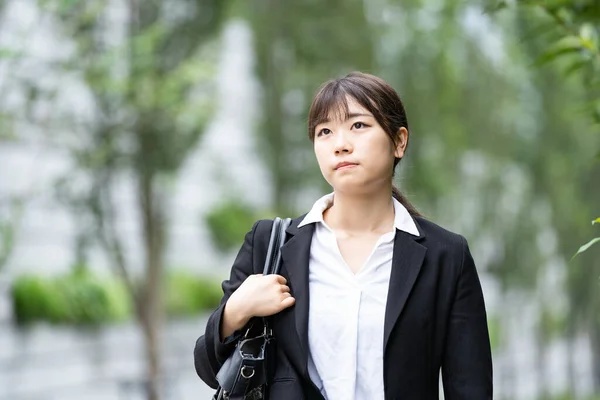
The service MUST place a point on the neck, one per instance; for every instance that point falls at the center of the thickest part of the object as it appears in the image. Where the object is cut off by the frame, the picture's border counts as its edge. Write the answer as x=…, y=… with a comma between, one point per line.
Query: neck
x=371, y=213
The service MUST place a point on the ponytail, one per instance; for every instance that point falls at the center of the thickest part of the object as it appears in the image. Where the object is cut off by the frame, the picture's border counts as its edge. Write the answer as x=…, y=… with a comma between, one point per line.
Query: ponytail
x=404, y=201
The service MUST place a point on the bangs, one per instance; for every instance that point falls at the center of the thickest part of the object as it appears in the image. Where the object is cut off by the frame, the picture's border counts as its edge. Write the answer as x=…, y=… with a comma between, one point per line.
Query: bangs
x=332, y=102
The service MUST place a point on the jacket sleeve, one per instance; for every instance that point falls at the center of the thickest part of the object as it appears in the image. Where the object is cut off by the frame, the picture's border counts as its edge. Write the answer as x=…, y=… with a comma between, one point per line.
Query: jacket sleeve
x=467, y=361
x=210, y=351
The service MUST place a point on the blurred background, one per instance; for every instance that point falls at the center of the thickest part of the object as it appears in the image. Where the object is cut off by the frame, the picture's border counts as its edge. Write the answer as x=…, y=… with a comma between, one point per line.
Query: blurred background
x=140, y=140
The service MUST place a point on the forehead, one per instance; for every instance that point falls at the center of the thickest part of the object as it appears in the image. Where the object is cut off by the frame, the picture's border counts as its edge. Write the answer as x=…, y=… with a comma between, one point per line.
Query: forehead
x=354, y=107
x=344, y=109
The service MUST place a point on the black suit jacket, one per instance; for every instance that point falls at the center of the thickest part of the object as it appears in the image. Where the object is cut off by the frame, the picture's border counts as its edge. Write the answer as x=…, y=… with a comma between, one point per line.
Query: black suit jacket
x=435, y=318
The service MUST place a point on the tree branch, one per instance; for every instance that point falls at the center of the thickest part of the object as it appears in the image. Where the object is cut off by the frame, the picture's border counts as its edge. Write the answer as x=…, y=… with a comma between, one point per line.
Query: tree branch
x=104, y=214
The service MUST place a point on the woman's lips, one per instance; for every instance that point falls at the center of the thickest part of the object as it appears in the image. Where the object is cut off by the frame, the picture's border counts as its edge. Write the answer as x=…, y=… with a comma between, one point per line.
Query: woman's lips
x=345, y=165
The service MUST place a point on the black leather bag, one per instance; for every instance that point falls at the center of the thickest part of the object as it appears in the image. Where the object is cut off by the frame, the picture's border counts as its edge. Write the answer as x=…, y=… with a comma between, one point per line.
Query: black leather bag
x=245, y=375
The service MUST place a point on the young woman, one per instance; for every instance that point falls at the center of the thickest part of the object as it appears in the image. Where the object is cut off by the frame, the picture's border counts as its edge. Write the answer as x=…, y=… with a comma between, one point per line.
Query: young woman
x=373, y=300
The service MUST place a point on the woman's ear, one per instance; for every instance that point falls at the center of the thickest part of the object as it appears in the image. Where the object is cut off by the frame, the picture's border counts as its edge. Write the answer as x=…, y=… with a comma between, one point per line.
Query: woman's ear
x=401, y=142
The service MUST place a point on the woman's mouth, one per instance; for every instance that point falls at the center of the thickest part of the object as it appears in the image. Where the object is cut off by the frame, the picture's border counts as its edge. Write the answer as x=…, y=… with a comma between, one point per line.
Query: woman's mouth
x=345, y=165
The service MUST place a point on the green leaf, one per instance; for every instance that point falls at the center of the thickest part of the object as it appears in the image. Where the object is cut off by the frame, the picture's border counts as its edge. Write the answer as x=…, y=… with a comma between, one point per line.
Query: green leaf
x=495, y=7
x=67, y=5
x=576, y=66
x=586, y=246
x=596, y=221
x=587, y=32
x=569, y=44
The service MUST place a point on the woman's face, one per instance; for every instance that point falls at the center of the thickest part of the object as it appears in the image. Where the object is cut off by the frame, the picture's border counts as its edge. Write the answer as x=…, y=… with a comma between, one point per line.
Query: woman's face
x=356, y=155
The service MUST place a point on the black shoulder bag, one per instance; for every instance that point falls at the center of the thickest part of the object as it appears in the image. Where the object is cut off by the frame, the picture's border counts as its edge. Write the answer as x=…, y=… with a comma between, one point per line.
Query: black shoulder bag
x=245, y=375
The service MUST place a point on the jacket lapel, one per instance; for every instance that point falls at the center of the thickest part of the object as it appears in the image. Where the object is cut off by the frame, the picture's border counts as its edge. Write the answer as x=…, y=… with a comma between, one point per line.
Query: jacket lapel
x=406, y=264
x=296, y=254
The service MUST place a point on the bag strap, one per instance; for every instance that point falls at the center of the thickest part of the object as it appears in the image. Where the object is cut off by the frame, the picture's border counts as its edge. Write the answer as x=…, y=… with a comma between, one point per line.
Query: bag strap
x=276, y=240
x=272, y=265
x=273, y=259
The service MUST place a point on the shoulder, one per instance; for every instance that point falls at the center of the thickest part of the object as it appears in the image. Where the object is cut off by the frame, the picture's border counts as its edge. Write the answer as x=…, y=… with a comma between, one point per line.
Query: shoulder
x=261, y=230
x=436, y=232
x=263, y=226
x=442, y=239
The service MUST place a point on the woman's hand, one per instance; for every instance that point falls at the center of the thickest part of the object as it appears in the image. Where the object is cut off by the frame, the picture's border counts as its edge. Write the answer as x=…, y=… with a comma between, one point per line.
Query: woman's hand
x=258, y=296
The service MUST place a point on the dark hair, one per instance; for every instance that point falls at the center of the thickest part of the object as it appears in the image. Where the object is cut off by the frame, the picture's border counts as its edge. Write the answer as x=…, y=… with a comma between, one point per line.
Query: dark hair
x=372, y=93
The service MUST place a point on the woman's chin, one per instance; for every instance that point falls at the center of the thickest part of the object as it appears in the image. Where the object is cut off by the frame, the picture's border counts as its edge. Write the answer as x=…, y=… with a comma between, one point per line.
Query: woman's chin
x=354, y=187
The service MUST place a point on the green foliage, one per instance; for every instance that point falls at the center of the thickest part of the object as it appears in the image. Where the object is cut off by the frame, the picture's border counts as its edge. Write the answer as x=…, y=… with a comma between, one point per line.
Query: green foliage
x=6, y=128
x=76, y=298
x=164, y=100
x=569, y=396
x=552, y=325
x=589, y=244
x=153, y=90
x=8, y=228
x=560, y=39
x=6, y=241
x=82, y=298
x=6, y=53
x=228, y=223
x=187, y=294
x=576, y=42
x=292, y=60
x=495, y=331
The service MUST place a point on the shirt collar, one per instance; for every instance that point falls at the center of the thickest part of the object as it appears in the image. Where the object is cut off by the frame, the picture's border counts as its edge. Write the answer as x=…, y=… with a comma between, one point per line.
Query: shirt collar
x=402, y=218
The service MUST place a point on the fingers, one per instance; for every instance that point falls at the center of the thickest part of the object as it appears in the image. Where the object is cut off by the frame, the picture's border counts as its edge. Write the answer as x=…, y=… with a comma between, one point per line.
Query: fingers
x=274, y=278
x=285, y=288
x=288, y=302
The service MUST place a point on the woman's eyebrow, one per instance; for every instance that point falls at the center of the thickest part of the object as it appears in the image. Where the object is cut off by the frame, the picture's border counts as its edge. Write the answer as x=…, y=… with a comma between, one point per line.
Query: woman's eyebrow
x=348, y=116
x=354, y=115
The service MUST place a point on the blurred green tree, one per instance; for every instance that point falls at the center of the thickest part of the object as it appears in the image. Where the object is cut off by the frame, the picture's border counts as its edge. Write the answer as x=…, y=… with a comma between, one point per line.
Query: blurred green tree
x=573, y=36
x=299, y=45
x=150, y=79
x=11, y=208
x=496, y=146
x=9, y=223
x=566, y=34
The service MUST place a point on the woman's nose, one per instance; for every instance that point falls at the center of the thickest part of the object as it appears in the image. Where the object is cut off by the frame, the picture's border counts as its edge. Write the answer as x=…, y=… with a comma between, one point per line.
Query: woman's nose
x=342, y=144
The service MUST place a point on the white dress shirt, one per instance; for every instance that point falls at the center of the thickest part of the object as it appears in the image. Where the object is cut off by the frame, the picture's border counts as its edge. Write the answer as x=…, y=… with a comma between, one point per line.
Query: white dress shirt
x=347, y=311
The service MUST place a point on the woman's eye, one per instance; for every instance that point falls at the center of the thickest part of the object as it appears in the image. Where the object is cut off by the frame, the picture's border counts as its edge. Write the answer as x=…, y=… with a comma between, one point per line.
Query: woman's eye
x=359, y=125
x=324, y=131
